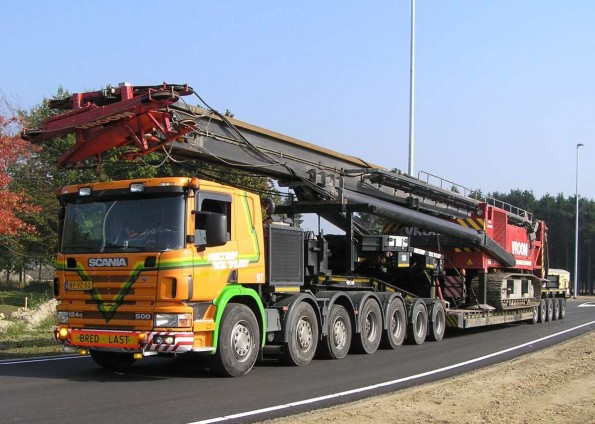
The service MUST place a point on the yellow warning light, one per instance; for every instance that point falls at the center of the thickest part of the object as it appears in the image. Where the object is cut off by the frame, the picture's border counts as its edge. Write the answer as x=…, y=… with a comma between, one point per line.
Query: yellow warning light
x=63, y=333
x=137, y=355
x=83, y=352
x=142, y=338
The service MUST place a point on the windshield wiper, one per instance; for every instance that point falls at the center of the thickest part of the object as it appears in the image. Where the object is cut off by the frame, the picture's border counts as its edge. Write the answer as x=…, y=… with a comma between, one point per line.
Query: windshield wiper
x=125, y=247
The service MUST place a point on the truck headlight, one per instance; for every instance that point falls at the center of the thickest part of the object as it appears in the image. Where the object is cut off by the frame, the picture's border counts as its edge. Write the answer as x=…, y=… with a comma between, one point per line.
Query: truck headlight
x=173, y=320
x=62, y=317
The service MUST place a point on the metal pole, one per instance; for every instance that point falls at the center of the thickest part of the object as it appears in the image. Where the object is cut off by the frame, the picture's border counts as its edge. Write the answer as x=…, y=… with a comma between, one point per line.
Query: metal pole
x=576, y=227
x=412, y=92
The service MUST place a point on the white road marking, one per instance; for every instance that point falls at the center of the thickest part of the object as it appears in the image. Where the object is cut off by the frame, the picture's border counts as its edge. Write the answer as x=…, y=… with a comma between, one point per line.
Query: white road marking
x=385, y=384
x=586, y=305
x=46, y=359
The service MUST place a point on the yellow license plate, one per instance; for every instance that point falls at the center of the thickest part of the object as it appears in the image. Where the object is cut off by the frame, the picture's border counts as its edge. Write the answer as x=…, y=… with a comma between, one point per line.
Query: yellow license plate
x=79, y=285
x=104, y=339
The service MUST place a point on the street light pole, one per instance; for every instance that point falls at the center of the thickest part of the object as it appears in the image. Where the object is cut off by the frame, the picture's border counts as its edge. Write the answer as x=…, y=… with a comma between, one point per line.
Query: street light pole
x=576, y=226
x=412, y=92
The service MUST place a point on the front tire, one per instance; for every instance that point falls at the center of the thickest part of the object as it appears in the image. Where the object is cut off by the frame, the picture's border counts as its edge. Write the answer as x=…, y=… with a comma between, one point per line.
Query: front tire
x=303, y=336
x=368, y=339
x=112, y=360
x=238, y=341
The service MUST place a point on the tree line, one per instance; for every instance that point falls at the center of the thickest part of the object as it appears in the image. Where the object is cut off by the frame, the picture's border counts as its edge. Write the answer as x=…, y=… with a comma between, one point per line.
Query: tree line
x=30, y=180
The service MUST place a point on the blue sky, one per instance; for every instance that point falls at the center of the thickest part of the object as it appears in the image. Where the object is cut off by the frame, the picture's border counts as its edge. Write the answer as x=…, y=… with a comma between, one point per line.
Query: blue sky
x=504, y=89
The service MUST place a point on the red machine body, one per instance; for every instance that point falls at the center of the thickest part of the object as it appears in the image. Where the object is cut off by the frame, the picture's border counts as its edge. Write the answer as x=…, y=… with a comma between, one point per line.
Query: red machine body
x=525, y=242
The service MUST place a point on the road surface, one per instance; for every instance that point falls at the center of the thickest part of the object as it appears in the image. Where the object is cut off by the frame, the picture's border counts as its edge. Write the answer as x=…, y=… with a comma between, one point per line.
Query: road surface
x=74, y=390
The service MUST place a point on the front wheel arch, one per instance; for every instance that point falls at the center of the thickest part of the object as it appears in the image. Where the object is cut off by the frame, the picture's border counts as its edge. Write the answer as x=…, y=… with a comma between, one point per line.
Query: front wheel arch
x=238, y=294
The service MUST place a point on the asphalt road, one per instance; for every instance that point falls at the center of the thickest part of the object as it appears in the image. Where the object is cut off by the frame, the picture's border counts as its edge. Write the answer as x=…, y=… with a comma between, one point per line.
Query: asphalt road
x=74, y=390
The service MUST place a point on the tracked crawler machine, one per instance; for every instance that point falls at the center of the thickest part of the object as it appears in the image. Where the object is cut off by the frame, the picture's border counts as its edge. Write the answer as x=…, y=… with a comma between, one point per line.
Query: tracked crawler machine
x=183, y=266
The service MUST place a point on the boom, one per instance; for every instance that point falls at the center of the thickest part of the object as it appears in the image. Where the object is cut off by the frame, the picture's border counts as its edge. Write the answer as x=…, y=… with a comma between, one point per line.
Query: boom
x=145, y=119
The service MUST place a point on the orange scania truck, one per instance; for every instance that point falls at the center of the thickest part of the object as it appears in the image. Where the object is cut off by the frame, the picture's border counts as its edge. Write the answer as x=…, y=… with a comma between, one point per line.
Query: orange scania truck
x=178, y=266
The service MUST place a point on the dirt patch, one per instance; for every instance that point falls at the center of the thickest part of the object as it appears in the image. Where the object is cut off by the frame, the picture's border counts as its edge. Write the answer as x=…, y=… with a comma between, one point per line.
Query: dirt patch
x=33, y=317
x=554, y=386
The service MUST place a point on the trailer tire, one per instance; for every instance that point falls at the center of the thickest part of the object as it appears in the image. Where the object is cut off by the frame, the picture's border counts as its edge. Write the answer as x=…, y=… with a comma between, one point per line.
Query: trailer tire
x=549, y=309
x=417, y=328
x=535, y=318
x=302, y=337
x=438, y=322
x=562, y=307
x=542, y=310
x=239, y=340
x=336, y=344
x=368, y=339
x=556, y=309
x=112, y=360
x=394, y=334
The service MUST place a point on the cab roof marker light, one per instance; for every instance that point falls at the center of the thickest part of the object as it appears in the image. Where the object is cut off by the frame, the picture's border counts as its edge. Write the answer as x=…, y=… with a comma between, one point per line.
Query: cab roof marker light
x=166, y=184
x=137, y=187
x=85, y=191
x=194, y=183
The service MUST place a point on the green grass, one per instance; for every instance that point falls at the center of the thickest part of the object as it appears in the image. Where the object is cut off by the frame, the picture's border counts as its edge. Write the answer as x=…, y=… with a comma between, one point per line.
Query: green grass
x=18, y=341
x=36, y=294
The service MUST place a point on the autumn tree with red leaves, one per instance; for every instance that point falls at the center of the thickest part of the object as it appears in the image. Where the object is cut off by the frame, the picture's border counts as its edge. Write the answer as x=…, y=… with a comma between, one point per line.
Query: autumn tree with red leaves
x=14, y=205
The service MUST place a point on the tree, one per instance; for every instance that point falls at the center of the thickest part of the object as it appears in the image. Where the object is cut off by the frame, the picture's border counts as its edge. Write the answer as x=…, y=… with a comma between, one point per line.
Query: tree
x=14, y=204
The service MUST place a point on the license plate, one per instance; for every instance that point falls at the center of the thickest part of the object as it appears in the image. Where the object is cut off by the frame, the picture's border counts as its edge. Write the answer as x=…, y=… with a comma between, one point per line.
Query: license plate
x=79, y=285
x=104, y=339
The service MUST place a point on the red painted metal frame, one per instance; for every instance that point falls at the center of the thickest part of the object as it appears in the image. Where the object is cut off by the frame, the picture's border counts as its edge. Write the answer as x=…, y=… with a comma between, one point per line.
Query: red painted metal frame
x=113, y=118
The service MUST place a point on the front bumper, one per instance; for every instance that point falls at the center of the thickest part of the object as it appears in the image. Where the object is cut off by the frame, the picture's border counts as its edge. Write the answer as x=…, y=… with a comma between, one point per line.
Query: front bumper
x=145, y=342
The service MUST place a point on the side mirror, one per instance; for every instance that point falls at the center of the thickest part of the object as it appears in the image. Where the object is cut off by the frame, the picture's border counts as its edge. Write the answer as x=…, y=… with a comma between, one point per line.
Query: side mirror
x=210, y=229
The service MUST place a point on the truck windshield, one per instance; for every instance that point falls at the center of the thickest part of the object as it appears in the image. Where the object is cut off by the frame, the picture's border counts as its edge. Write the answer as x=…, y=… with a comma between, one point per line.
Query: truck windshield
x=124, y=225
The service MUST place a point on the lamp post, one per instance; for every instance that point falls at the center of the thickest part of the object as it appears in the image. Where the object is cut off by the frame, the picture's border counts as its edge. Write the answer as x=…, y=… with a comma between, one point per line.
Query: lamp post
x=576, y=227
x=412, y=93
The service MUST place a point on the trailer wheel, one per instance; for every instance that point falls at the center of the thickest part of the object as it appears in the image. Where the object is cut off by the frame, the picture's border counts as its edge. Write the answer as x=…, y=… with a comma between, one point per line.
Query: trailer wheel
x=417, y=329
x=239, y=339
x=535, y=318
x=542, y=311
x=336, y=344
x=394, y=335
x=303, y=336
x=556, y=309
x=549, y=309
x=112, y=360
x=368, y=339
x=562, y=307
x=438, y=322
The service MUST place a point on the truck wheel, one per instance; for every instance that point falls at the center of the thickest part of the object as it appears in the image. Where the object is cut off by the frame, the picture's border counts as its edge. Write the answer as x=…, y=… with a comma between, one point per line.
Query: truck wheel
x=438, y=322
x=112, y=360
x=394, y=334
x=542, y=311
x=556, y=308
x=368, y=339
x=337, y=342
x=303, y=336
x=549, y=309
x=561, y=308
x=238, y=342
x=417, y=329
x=535, y=318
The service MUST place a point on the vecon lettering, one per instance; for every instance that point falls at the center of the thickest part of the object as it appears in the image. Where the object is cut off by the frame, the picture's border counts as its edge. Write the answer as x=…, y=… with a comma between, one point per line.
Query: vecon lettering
x=106, y=120
x=107, y=262
x=520, y=249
